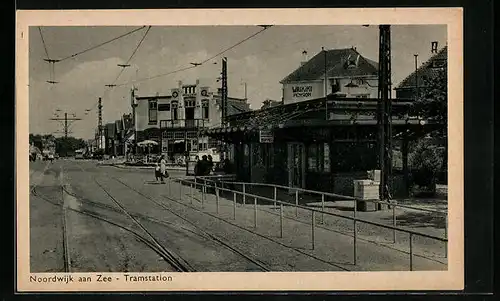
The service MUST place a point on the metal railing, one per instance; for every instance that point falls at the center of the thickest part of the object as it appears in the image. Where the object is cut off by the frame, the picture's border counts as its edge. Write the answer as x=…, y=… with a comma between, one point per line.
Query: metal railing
x=217, y=182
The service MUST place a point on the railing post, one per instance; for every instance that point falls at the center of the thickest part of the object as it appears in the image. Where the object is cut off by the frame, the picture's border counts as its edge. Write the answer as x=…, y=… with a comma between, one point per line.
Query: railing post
x=312, y=229
x=255, y=212
x=297, y=203
x=355, y=233
x=180, y=190
x=411, y=251
x=244, y=196
x=275, y=196
x=192, y=193
x=323, y=208
x=394, y=221
x=216, y=198
x=234, y=205
x=281, y=220
x=203, y=195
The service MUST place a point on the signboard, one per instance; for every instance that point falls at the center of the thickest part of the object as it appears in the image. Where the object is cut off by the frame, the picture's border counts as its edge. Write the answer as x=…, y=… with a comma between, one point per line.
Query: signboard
x=302, y=91
x=266, y=136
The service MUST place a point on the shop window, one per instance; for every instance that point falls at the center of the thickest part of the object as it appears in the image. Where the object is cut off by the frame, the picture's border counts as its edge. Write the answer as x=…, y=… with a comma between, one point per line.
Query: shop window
x=318, y=157
x=153, y=111
x=312, y=158
x=326, y=157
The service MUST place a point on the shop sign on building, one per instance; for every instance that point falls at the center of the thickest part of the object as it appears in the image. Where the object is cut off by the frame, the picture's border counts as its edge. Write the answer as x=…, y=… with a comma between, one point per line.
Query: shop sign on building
x=302, y=91
x=266, y=136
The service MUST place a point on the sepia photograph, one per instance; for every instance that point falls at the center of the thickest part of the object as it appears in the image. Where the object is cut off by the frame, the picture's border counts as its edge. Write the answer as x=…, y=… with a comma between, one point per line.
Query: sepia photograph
x=158, y=149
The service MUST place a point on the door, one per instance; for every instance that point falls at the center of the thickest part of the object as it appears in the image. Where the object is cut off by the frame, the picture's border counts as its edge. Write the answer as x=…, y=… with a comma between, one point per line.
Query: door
x=296, y=165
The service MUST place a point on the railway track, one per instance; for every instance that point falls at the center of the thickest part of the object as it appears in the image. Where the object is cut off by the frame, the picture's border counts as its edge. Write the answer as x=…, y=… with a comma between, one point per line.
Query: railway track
x=199, y=231
x=137, y=235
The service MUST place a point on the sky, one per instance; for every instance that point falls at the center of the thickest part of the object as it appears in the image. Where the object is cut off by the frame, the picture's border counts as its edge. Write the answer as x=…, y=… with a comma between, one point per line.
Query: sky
x=260, y=62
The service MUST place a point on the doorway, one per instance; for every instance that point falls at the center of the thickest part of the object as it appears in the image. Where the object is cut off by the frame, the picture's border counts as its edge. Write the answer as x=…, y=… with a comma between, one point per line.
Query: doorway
x=296, y=165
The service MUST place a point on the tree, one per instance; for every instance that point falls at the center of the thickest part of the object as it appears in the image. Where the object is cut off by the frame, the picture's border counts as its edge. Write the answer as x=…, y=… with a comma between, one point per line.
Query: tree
x=432, y=103
x=428, y=158
x=68, y=145
x=36, y=140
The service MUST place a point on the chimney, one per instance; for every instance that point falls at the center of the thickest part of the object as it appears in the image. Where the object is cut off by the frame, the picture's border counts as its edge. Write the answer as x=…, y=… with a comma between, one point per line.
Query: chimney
x=434, y=47
x=304, y=58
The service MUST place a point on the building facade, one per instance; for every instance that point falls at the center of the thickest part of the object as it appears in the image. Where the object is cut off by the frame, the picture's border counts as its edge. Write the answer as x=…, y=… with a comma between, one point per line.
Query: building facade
x=347, y=73
x=318, y=144
x=174, y=120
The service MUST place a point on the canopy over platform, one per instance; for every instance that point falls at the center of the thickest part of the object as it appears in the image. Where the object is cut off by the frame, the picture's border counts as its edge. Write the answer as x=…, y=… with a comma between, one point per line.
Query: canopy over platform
x=339, y=113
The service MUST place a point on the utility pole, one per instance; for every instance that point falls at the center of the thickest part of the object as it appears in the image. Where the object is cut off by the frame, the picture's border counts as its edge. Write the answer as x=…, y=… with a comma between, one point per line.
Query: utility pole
x=384, y=116
x=224, y=91
x=416, y=77
x=99, y=122
x=66, y=124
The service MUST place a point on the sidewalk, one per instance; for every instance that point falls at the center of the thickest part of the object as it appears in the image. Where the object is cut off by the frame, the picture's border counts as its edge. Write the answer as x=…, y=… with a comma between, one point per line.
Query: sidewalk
x=333, y=246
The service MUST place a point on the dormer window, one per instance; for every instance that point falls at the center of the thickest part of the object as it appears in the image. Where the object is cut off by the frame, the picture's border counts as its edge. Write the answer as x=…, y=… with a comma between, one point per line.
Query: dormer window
x=438, y=64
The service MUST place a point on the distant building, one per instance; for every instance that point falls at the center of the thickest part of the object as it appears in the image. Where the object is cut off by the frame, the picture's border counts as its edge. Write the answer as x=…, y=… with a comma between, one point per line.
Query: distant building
x=348, y=74
x=174, y=120
x=417, y=80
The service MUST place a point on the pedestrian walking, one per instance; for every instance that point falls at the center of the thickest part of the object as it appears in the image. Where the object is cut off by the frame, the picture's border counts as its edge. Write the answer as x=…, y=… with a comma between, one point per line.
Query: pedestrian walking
x=157, y=171
x=163, y=168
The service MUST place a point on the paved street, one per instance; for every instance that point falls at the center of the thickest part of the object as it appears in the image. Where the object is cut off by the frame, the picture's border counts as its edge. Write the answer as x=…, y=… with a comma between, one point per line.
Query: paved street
x=88, y=218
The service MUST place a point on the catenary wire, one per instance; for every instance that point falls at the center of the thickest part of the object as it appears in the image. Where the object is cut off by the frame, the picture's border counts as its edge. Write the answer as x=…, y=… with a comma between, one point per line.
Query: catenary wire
x=133, y=53
x=191, y=67
x=102, y=44
x=43, y=42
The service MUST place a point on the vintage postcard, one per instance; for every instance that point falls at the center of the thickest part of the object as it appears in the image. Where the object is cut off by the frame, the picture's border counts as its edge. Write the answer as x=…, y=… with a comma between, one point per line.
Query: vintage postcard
x=229, y=150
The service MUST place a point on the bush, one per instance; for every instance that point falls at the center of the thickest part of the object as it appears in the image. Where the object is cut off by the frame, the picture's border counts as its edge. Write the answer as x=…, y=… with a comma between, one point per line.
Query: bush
x=426, y=161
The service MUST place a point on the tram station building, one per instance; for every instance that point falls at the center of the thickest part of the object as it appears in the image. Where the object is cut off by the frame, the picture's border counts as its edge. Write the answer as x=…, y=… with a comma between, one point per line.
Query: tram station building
x=174, y=121
x=320, y=142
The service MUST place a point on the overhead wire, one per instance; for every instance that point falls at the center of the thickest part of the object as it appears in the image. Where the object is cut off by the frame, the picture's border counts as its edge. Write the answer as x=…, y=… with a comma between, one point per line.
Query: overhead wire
x=191, y=67
x=121, y=71
x=133, y=53
x=43, y=41
x=101, y=44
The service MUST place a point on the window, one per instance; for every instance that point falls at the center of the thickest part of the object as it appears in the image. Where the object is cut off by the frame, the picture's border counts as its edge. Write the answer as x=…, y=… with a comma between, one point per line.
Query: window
x=318, y=157
x=205, y=108
x=190, y=103
x=163, y=124
x=439, y=64
x=175, y=110
x=163, y=107
x=153, y=111
x=326, y=157
x=312, y=158
x=212, y=143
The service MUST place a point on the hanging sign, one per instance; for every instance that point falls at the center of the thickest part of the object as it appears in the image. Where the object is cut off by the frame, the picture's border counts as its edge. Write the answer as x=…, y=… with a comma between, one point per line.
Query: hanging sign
x=266, y=136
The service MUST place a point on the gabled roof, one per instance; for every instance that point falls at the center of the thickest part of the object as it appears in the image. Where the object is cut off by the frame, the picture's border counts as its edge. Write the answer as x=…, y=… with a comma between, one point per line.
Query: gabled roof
x=336, y=66
x=425, y=72
x=234, y=105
